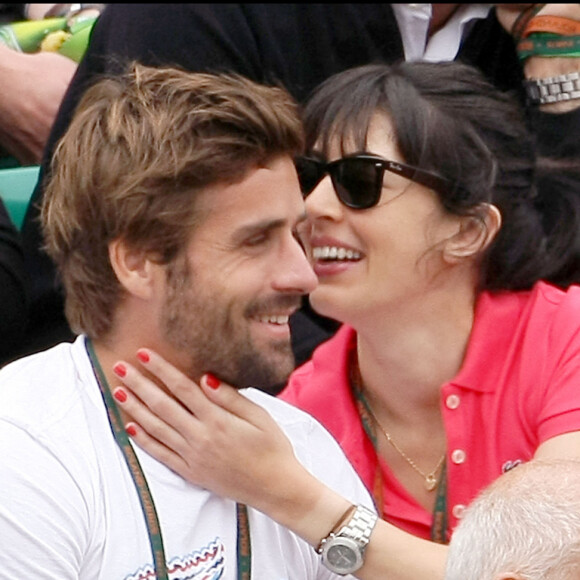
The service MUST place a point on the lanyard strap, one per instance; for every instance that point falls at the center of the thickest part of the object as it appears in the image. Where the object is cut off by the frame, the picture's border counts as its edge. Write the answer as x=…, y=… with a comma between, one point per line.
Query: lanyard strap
x=244, y=556
x=439, y=524
x=244, y=546
x=147, y=505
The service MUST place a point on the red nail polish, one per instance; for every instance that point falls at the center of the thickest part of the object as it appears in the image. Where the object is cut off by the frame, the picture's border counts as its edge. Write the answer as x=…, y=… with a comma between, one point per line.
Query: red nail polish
x=212, y=381
x=120, y=369
x=143, y=356
x=130, y=428
x=120, y=395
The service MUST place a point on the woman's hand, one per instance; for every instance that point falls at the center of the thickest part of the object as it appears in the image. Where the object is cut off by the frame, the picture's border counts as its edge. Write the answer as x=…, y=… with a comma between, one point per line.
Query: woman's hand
x=209, y=434
x=213, y=436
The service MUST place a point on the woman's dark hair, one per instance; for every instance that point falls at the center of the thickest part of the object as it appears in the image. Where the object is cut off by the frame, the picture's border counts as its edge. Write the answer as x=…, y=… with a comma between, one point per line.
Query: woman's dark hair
x=450, y=120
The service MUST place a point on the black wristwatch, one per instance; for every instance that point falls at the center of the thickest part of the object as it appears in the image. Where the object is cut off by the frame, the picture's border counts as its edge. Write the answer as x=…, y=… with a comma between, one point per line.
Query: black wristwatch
x=343, y=551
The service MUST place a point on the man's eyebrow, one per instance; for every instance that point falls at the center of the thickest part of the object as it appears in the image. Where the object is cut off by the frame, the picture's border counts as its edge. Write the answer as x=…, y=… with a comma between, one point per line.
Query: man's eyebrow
x=249, y=230
x=267, y=225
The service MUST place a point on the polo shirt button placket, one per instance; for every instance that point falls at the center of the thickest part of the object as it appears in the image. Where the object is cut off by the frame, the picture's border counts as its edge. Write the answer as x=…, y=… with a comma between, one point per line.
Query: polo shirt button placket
x=458, y=511
x=458, y=456
x=452, y=402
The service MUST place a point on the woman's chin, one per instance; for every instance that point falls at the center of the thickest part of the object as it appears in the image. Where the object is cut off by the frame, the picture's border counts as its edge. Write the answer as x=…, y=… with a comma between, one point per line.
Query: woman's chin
x=323, y=304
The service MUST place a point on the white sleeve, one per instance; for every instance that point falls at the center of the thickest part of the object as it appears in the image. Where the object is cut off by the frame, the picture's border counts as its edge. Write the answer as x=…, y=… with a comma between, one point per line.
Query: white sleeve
x=322, y=455
x=326, y=460
x=43, y=515
x=315, y=448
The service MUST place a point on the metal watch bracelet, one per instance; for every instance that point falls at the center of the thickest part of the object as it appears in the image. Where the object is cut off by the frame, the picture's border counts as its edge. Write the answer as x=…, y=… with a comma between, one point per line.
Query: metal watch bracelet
x=553, y=89
x=343, y=551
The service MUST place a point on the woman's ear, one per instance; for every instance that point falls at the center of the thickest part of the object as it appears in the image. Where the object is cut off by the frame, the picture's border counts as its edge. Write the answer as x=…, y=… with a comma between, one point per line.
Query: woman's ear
x=134, y=269
x=474, y=235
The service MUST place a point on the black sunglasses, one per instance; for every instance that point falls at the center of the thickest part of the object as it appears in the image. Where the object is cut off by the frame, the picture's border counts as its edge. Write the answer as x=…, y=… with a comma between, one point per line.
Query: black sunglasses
x=358, y=179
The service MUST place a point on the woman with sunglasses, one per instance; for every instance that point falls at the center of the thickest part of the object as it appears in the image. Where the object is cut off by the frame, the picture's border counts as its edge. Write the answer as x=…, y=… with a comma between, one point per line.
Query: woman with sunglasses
x=438, y=240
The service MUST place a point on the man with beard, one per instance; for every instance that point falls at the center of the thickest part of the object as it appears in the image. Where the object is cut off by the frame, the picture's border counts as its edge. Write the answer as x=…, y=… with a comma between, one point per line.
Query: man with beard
x=174, y=215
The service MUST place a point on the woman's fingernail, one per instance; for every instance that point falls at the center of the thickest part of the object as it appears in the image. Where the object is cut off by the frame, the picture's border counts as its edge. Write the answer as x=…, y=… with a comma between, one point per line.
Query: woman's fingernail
x=120, y=370
x=120, y=395
x=212, y=381
x=131, y=430
x=143, y=356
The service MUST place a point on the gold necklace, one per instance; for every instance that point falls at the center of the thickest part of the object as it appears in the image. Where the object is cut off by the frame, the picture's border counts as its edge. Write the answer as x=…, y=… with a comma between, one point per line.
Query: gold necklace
x=431, y=478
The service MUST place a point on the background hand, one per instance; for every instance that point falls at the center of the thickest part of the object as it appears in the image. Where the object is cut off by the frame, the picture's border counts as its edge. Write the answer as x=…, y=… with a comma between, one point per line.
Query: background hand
x=33, y=88
x=539, y=67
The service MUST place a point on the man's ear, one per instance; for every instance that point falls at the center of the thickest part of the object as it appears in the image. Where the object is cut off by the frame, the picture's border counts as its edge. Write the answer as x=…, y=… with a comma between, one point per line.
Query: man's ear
x=134, y=268
x=475, y=234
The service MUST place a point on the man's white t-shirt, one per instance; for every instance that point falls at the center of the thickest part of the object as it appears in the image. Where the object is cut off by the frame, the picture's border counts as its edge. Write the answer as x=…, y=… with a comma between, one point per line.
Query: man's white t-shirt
x=69, y=508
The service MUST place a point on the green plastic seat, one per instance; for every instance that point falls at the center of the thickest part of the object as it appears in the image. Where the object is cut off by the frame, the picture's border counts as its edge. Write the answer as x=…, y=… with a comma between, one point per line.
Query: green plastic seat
x=16, y=187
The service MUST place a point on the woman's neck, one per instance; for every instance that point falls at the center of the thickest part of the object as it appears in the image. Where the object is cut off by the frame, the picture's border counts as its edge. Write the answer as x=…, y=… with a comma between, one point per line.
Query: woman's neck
x=406, y=355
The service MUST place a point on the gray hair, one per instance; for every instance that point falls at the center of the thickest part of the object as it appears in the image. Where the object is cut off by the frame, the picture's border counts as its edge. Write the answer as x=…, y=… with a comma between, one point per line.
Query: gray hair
x=526, y=524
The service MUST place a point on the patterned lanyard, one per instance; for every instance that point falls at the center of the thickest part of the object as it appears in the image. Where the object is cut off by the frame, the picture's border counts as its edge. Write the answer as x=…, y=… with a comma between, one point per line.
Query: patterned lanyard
x=244, y=554
x=439, y=525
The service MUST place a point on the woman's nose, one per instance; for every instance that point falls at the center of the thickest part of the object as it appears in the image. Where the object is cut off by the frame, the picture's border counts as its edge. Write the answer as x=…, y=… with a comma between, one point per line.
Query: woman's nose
x=323, y=201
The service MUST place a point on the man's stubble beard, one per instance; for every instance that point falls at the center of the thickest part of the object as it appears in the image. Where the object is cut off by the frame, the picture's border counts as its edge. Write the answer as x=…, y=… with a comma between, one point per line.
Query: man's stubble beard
x=195, y=323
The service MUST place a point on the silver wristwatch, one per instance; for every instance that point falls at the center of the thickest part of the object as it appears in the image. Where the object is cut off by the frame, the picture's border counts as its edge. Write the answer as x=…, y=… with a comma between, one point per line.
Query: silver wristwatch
x=553, y=89
x=343, y=551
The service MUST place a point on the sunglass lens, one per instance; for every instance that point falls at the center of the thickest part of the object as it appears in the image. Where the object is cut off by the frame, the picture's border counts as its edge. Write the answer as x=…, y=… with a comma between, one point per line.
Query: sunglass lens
x=310, y=172
x=358, y=182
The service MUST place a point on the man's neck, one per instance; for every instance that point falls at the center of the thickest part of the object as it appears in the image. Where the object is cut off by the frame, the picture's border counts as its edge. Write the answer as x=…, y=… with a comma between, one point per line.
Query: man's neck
x=106, y=358
x=114, y=350
x=441, y=13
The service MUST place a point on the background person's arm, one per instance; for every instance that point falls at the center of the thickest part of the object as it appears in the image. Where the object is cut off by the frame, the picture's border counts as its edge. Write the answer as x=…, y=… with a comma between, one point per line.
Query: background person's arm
x=33, y=86
x=541, y=67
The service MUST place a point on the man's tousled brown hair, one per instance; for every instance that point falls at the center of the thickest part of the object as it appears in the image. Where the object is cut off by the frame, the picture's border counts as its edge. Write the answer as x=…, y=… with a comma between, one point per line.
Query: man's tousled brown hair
x=139, y=147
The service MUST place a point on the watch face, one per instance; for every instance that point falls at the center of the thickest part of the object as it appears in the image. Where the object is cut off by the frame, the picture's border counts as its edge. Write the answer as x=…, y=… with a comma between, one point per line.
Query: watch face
x=342, y=555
